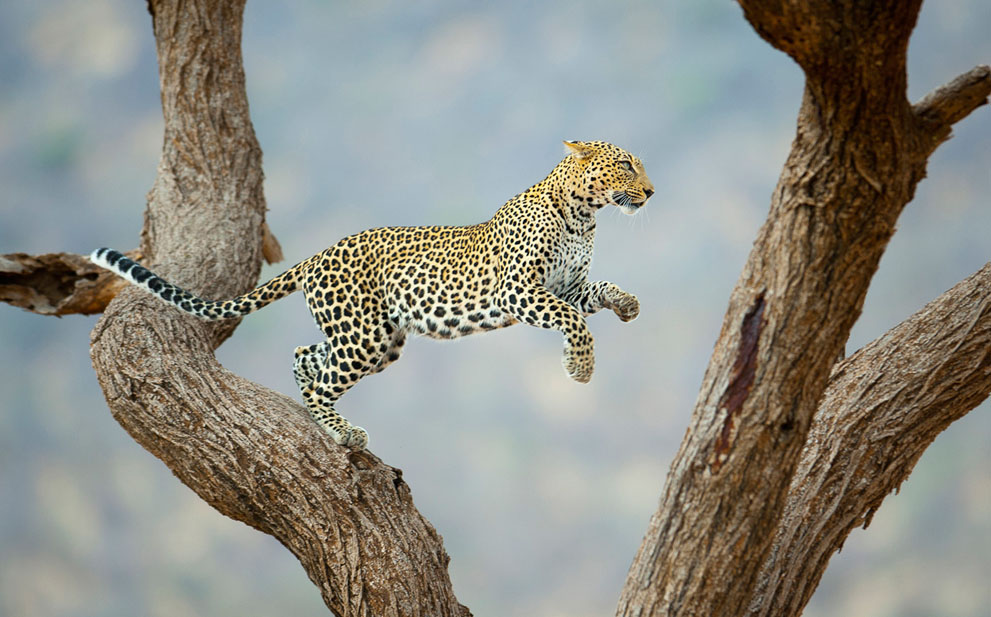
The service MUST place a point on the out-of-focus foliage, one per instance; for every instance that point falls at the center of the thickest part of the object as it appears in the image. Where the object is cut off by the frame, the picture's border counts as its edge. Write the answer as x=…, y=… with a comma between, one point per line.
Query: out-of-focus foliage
x=387, y=113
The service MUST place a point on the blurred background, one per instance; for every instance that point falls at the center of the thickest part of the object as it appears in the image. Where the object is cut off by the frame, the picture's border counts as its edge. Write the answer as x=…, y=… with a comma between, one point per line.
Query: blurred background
x=396, y=113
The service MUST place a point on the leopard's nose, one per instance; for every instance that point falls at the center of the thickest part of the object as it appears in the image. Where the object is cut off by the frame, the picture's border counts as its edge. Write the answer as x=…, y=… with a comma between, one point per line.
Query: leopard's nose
x=648, y=193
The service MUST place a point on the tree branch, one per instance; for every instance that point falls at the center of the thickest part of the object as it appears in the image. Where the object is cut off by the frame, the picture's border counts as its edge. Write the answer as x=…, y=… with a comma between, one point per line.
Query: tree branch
x=56, y=283
x=66, y=284
x=857, y=157
x=251, y=453
x=945, y=106
x=883, y=407
x=255, y=456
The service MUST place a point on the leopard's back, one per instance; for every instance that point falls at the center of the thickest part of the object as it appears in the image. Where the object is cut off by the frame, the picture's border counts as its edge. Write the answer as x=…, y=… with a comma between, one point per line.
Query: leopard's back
x=436, y=281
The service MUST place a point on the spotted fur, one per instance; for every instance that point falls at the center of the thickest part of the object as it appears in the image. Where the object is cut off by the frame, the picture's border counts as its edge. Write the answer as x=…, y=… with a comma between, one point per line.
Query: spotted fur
x=528, y=264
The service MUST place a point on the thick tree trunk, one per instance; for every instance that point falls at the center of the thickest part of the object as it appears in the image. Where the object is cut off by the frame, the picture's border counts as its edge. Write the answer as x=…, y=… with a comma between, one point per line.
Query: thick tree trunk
x=787, y=450
x=883, y=407
x=251, y=453
x=859, y=152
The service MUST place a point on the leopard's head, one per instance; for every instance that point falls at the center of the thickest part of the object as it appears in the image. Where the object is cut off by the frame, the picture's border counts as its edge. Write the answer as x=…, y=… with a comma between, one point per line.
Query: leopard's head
x=601, y=174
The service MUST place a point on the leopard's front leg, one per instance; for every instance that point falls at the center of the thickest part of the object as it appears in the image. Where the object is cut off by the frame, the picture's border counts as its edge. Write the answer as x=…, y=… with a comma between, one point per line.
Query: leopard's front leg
x=539, y=307
x=592, y=297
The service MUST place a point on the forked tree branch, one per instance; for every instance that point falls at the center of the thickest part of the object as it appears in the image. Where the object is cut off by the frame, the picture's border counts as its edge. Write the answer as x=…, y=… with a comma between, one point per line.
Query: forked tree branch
x=883, y=407
x=251, y=453
x=859, y=152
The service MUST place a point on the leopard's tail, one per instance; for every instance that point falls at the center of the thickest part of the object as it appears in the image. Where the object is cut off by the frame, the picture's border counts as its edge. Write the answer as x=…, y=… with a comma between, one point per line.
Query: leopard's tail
x=279, y=287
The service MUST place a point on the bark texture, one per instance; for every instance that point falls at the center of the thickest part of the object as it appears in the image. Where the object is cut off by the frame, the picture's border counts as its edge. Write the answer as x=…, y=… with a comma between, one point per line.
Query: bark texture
x=56, y=283
x=68, y=284
x=883, y=407
x=859, y=152
x=253, y=454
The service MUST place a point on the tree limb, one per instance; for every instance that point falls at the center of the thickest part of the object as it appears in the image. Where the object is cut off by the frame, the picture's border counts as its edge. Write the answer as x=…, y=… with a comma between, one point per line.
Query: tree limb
x=251, y=453
x=858, y=155
x=945, y=106
x=66, y=284
x=255, y=456
x=56, y=283
x=884, y=406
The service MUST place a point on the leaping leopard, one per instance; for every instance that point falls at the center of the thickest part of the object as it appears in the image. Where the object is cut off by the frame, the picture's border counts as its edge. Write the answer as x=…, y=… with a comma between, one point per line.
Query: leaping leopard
x=528, y=264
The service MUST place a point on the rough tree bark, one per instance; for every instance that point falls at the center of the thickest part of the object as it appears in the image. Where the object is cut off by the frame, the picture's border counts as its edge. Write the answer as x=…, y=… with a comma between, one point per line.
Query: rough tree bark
x=251, y=453
x=882, y=408
x=57, y=283
x=787, y=450
x=859, y=152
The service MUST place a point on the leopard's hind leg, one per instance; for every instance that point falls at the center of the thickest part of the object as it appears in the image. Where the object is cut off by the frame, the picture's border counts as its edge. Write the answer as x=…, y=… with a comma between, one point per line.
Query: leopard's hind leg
x=397, y=338
x=359, y=343
x=319, y=396
x=307, y=363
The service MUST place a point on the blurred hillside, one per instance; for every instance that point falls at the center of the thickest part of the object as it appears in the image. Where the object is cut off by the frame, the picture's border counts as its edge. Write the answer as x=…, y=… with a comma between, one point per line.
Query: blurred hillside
x=391, y=113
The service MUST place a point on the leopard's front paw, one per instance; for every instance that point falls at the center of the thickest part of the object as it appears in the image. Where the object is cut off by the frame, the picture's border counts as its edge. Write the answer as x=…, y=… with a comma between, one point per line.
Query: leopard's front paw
x=579, y=363
x=356, y=438
x=625, y=305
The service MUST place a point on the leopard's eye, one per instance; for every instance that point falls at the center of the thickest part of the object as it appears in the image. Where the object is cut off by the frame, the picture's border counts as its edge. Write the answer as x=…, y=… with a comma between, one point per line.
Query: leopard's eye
x=628, y=166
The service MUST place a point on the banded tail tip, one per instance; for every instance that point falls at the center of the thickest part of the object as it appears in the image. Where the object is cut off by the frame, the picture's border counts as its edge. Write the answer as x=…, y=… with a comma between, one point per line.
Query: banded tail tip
x=104, y=256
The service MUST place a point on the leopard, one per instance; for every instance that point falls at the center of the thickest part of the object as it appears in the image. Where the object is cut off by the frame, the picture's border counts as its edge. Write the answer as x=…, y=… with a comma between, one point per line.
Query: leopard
x=368, y=292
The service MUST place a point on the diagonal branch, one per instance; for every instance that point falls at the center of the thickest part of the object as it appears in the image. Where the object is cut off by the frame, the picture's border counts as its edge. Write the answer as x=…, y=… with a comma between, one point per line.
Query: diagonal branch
x=251, y=453
x=859, y=152
x=255, y=456
x=945, y=106
x=954, y=101
x=884, y=406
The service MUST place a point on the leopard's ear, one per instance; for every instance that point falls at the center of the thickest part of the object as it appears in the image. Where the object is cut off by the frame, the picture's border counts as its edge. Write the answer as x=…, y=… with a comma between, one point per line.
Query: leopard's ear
x=580, y=149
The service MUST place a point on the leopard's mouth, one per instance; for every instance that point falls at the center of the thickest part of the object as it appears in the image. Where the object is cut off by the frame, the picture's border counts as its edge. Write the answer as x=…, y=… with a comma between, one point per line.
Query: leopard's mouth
x=627, y=204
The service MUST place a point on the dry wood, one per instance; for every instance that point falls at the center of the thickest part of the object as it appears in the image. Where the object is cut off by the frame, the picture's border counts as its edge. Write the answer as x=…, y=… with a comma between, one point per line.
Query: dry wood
x=883, y=407
x=859, y=151
x=251, y=453
x=56, y=283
